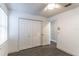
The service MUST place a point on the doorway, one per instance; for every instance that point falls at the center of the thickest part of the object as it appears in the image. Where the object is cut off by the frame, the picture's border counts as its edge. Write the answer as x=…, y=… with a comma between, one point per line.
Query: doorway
x=53, y=32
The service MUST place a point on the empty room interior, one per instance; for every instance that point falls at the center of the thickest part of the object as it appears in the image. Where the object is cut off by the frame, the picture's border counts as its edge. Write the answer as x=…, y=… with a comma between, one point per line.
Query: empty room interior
x=39, y=29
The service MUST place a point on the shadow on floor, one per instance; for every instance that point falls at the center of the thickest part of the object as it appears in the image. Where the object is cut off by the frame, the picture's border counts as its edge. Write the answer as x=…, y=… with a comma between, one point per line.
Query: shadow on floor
x=47, y=50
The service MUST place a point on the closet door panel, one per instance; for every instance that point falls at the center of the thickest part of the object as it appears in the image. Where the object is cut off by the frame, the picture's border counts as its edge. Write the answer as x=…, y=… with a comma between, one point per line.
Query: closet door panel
x=36, y=33
x=25, y=37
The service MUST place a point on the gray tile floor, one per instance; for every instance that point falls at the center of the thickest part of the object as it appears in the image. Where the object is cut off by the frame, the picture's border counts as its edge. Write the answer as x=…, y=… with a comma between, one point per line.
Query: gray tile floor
x=47, y=50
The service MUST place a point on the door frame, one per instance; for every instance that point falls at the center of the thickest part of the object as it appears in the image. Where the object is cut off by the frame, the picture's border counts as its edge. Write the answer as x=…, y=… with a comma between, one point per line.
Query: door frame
x=41, y=43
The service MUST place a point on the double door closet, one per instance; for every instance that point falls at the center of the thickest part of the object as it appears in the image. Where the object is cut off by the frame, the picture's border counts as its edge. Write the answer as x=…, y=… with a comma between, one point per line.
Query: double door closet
x=29, y=33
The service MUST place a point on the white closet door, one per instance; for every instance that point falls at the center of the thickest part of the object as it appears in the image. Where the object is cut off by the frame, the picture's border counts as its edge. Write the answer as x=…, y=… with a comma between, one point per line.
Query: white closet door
x=25, y=36
x=29, y=34
x=36, y=33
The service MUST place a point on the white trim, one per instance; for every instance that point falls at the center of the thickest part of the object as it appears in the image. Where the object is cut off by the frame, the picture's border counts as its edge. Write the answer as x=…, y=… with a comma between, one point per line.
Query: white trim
x=30, y=19
x=65, y=51
x=46, y=44
x=54, y=41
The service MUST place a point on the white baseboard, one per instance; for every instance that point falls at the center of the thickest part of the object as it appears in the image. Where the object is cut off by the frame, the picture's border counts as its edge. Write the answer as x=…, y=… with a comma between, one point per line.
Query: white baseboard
x=54, y=41
x=65, y=51
x=46, y=43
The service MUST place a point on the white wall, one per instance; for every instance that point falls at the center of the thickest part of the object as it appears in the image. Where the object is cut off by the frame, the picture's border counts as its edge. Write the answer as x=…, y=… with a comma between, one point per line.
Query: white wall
x=68, y=35
x=13, y=28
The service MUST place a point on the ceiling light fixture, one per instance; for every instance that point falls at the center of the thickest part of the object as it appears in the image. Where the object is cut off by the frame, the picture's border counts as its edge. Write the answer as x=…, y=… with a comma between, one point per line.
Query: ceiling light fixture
x=52, y=6
x=57, y=6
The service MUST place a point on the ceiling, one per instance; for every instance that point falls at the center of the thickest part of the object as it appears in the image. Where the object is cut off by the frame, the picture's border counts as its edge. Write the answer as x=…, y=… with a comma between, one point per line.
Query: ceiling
x=38, y=8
